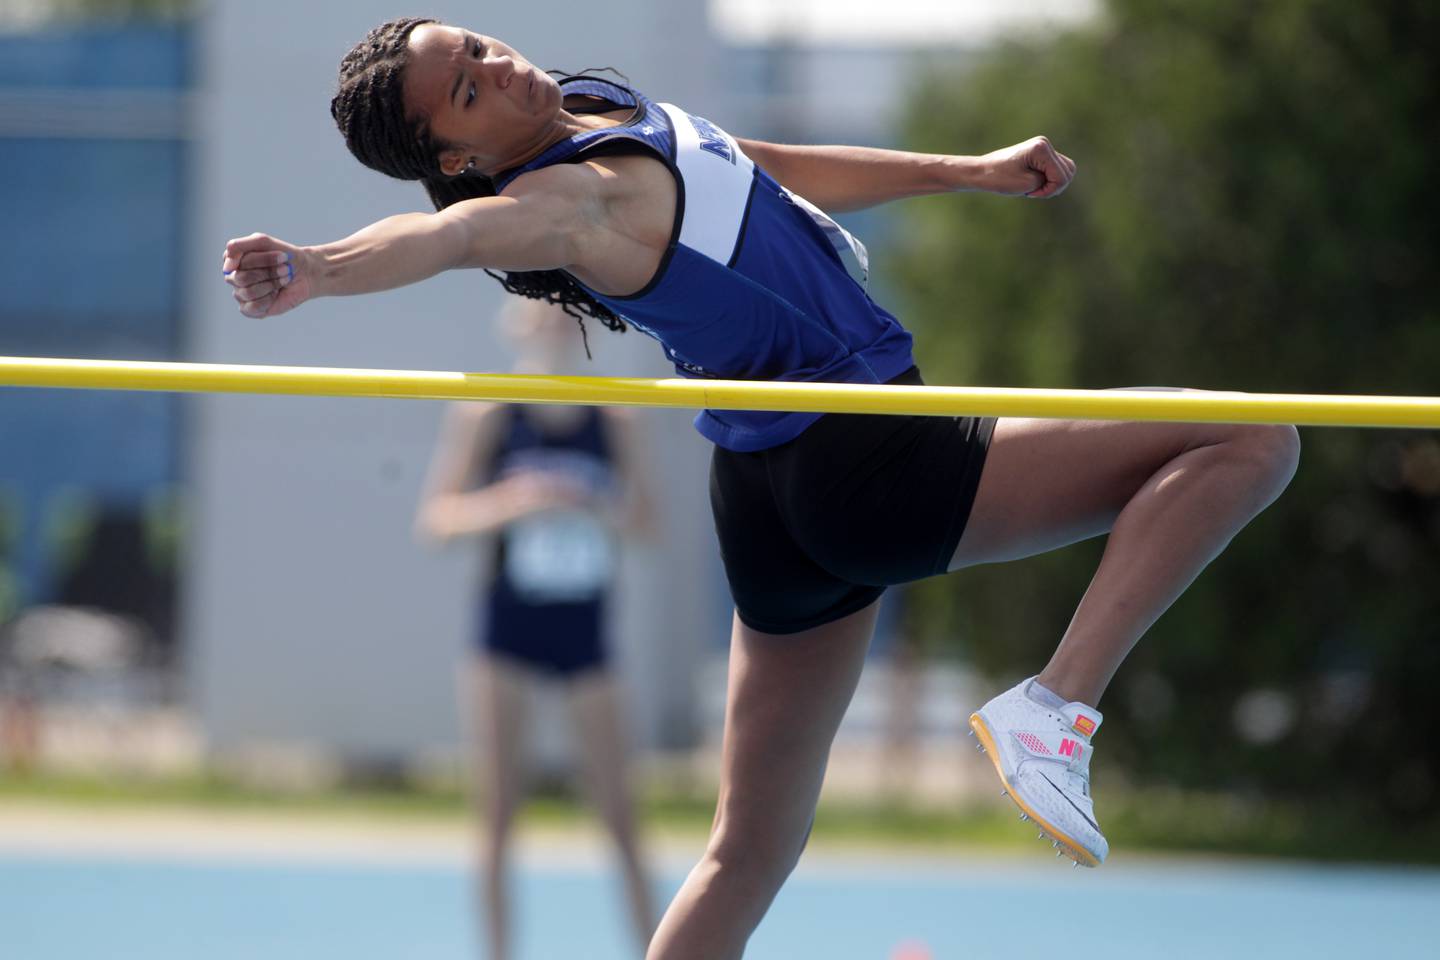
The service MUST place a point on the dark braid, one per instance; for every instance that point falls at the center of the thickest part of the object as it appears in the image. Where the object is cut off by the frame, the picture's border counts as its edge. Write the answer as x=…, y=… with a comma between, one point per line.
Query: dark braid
x=369, y=109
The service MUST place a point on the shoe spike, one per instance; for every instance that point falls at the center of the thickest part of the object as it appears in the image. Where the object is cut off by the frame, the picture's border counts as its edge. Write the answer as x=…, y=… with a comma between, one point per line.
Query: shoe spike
x=1024, y=817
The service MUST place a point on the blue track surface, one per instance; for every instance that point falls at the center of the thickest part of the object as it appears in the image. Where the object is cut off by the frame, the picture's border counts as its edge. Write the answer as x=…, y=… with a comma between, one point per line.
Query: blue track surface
x=61, y=907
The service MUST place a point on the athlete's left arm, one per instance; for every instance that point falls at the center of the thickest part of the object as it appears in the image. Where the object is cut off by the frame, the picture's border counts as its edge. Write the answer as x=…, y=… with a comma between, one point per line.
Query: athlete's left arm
x=838, y=178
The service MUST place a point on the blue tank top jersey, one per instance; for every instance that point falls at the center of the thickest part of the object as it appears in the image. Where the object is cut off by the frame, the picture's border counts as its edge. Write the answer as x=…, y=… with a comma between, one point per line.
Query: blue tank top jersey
x=559, y=555
x=757, y=283
x=581, y=451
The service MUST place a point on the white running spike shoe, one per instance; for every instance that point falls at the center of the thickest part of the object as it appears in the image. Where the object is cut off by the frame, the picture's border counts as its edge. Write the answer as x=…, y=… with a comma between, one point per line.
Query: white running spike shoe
x=1043, y=757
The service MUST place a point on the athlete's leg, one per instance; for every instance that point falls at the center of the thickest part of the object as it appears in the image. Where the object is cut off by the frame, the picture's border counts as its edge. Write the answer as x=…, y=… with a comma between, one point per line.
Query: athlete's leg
x=497, y=707
x=786, y=698
x=605, y=769
x=1171, y=496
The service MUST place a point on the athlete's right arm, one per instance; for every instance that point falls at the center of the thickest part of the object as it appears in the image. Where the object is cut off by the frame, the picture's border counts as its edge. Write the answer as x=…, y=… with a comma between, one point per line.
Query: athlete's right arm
x=536, y=227
x=453, y=506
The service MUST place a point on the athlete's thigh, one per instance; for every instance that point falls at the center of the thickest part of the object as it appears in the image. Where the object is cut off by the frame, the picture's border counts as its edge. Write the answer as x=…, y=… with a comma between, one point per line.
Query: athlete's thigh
x=597, y=721
x=497, y=691
x=1048, y=483
x=787, y=694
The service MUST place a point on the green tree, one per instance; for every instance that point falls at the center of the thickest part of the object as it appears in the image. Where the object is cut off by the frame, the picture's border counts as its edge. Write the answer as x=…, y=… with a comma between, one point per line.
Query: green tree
x=1254, y=209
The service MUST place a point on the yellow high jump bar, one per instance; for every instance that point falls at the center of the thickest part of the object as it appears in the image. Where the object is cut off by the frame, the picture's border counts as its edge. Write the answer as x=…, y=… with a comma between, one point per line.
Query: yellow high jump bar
x=1193, y=407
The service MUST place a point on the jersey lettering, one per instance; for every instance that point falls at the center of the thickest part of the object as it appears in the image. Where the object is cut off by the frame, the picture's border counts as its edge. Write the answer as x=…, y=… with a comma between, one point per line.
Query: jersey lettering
x=712, y=140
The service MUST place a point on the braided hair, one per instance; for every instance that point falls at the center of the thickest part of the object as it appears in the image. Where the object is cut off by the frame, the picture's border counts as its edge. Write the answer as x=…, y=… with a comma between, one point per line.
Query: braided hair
x=369, y=109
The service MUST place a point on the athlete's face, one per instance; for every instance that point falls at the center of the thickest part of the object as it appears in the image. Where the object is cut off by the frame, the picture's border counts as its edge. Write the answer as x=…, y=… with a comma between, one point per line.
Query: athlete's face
x=546, y=338
x=492, y=106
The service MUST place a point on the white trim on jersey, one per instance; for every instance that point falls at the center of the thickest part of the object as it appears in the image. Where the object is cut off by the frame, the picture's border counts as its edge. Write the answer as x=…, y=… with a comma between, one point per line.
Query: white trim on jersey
x=847, y=246
x=717, y=177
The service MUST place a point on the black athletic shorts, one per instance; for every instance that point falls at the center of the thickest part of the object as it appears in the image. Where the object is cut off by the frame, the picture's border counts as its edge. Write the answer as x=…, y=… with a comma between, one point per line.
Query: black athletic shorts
x=817, y=528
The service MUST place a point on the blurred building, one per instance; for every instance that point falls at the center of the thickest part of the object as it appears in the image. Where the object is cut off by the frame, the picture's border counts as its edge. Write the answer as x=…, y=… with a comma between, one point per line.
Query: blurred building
x=312, y=613
x=94, y=148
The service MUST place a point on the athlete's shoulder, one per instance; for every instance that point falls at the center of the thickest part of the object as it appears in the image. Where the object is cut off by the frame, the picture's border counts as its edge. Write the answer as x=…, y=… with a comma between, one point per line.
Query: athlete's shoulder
x=620, y=418
x=560, y=178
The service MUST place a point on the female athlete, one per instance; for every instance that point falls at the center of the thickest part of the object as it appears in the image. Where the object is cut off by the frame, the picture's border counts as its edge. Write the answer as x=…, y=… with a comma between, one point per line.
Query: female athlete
x=584, y=192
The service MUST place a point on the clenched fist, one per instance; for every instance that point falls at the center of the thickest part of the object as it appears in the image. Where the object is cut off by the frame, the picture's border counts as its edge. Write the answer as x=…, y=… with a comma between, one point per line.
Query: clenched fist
x=269, y=276
x=1033, y=169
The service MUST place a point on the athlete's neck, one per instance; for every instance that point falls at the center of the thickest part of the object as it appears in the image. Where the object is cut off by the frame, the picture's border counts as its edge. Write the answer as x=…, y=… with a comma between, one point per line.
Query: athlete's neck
x=565, y=126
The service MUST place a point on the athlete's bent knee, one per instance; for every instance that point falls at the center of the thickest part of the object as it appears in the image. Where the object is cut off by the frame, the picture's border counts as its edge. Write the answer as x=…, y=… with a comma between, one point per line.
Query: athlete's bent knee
x=1273, y=452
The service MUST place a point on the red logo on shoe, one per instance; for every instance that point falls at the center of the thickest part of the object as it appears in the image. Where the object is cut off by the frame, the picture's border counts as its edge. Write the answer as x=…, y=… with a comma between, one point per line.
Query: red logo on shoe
x=1084, y=724
x=1033, y=743
x=1070, y=748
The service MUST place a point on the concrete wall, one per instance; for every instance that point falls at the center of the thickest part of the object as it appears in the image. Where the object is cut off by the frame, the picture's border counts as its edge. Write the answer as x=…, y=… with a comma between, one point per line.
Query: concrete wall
x=312, y=615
